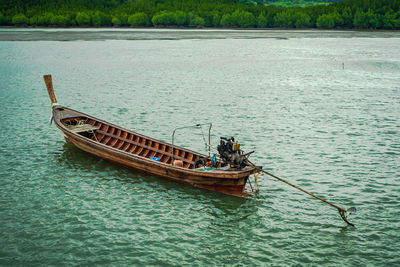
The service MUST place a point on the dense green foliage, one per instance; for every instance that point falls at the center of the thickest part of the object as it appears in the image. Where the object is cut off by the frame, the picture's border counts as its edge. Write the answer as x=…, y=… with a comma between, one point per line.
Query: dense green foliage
x=292, y=3
x=139, y=19
x=361, y=14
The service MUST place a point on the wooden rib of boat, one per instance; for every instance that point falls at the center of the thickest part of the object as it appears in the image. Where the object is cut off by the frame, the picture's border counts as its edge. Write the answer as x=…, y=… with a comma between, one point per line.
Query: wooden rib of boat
x=134, y=150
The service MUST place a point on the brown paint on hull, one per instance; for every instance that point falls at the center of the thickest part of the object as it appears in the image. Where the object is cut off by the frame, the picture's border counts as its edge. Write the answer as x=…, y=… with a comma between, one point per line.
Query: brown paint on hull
x=133, y=150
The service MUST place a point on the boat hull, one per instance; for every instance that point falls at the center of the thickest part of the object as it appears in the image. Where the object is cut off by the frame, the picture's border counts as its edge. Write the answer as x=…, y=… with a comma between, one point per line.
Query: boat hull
x=231, y=182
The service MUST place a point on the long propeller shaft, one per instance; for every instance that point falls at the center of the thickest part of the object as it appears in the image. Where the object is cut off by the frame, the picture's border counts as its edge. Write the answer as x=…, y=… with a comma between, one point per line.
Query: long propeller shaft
x=342, y=211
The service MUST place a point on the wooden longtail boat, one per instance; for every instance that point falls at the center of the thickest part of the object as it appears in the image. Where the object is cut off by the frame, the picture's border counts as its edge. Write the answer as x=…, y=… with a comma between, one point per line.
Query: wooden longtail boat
x=136, y=151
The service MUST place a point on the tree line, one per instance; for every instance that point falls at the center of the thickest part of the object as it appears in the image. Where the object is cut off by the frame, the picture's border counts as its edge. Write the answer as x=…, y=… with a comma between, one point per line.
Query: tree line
x=359, y=14
x=291, y=3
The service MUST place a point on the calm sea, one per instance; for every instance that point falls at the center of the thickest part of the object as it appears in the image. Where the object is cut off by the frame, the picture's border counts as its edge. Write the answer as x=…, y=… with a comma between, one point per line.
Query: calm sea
x=320, y=108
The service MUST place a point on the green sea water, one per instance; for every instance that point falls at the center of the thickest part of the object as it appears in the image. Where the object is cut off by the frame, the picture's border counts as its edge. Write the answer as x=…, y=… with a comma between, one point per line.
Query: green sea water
x=320, y=108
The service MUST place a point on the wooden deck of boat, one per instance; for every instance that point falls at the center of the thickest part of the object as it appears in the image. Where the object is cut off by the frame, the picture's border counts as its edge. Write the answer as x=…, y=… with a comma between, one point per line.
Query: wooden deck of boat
x=132, y=142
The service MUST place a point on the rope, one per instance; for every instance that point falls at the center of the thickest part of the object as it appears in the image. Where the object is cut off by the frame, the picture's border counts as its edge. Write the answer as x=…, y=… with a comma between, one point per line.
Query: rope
x=204, y=139
x=51, y=118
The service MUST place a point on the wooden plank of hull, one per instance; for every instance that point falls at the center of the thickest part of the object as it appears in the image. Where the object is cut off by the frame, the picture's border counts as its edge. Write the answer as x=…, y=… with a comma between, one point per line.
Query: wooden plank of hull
x=144, y=149
x=228, y=182
x=153, y=167
x=227, y=185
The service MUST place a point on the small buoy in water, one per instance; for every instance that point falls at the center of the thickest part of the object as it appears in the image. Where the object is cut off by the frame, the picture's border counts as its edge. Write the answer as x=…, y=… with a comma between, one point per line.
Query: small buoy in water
x=178, y=163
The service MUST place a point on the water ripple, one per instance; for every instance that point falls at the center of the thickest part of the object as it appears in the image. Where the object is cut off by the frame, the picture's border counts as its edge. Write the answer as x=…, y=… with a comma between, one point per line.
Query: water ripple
x=331, y=130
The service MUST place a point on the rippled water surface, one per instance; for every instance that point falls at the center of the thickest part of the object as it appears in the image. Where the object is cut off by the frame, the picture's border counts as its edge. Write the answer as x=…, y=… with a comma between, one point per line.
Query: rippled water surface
x=321, y=109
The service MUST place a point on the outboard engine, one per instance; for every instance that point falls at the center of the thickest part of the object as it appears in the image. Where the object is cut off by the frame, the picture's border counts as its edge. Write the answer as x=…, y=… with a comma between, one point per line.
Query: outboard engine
x=229, y=151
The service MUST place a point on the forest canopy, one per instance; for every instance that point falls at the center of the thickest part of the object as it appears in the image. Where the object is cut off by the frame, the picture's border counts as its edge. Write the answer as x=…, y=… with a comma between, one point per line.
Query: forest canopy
x=349, y=14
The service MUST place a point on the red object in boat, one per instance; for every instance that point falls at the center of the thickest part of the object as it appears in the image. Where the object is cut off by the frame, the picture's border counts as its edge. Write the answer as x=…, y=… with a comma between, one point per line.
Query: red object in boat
x=178, y=163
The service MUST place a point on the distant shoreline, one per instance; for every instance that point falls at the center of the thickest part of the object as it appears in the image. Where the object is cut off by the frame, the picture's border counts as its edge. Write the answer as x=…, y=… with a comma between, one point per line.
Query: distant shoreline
x=178, y=33
x=189, y=28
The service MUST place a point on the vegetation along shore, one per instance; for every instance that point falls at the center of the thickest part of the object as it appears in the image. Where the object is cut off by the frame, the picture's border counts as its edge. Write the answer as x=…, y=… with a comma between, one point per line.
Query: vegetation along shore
x=328, y=14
